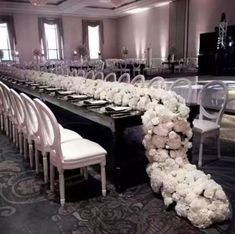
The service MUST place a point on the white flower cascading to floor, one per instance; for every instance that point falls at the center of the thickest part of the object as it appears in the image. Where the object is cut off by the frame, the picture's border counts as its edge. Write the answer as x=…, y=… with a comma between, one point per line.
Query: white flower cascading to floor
x=196, y=196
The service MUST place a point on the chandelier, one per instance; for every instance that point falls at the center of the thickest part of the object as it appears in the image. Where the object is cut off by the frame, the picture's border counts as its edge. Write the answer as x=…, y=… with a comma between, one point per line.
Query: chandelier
x=38, y=2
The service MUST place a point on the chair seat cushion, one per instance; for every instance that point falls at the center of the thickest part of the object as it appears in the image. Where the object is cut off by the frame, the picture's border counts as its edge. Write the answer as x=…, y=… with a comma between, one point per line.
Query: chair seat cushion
x=68, y=135
x=203, y=126
x=81, y=149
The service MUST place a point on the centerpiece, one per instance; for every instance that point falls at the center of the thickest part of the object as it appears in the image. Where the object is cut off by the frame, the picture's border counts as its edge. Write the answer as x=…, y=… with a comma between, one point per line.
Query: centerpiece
x=82, y=52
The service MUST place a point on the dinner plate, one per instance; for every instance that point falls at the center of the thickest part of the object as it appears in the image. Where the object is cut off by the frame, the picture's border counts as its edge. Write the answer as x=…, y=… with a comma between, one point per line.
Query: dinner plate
x=95, y=102
x=34, y=84
x=77, y=96
x=68, y=92
x=115, y=109
x=43, y=86
x=52, y=89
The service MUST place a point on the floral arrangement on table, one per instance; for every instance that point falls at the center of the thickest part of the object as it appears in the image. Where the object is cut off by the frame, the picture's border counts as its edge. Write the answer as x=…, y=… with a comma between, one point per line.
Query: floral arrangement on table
x=37, y=52
x=196, y=195
x=1, y=54
x=82, y=50
x=124, y=51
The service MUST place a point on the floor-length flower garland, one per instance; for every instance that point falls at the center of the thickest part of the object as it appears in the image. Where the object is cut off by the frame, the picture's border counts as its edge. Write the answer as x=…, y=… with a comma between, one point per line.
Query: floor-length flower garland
x=167, y=139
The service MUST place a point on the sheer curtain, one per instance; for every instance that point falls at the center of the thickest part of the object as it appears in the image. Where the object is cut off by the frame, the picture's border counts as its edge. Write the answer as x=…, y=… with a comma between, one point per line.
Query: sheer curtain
x=42, y=37
x=92, y=23
x=11, y=29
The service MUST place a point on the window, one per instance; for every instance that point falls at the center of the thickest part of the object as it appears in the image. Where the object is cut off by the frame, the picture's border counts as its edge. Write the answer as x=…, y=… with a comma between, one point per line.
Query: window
x=5, y=42
x=52, y=41
x=94, y=42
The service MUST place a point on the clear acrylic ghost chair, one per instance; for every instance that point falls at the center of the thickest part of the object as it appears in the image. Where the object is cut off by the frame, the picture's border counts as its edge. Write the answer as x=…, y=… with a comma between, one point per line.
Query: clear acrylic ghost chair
x=138, y=80
x=73, y=72
x=136, y=67
x=157, y=82
x=182, y=87
x=124, y=78
x=99, y=76
x=111, y=77
x=123, y=67
x=21, y=123
x=35, y=134
x=213, y=96
x=68, y=155
x=90, y=75
x=81, y=73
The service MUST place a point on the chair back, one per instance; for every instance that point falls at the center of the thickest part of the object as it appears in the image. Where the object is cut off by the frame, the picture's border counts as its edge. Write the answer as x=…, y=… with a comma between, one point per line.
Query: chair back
x=6, y=97
x=111, y=77
x=138, y=80
x=81, y=73
x=49, y=126
x=19, y=109
x=99, y=76
x=124, y=78
x=157, y=82
x=32, y=117
x=182, y=87
x=212, y=100
x=89, y=75
x=73, y=72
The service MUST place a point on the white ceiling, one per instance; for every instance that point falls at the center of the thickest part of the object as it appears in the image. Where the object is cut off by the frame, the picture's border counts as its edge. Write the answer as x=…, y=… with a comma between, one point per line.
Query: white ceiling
x=89, y=8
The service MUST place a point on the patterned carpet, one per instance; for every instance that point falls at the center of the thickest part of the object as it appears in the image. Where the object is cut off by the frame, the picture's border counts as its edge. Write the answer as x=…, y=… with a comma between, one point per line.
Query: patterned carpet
x=28, y=207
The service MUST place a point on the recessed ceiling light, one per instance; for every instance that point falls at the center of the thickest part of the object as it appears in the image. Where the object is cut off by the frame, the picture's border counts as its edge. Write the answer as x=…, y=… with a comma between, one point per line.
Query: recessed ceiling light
x=137, y=10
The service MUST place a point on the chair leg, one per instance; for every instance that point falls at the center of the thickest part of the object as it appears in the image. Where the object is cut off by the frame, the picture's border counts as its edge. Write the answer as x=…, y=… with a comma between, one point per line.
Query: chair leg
x=85, y=173
x=218, y=147
x=52, y=177
x=62, y=192
x=103, y=179
x=14, y=133
x=10, y=130
x=6, y=125
x=31, y=154
x=45, y=167
x=21, y=142
x=36, y=160
x=17, y=138
x=25, y=148
x=2, y=124
x=200, y=152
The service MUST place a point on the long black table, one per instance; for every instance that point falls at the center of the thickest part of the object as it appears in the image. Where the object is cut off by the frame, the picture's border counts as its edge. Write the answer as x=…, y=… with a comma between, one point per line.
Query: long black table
x=124, y=167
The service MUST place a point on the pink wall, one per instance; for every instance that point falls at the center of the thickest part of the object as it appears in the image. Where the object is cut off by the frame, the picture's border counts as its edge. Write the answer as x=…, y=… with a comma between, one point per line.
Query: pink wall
x=204, y=16
x=149, y=28
x=26, y=27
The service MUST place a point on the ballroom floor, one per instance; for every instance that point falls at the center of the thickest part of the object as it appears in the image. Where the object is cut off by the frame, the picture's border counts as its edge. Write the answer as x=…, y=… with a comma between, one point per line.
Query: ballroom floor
x=28, y=207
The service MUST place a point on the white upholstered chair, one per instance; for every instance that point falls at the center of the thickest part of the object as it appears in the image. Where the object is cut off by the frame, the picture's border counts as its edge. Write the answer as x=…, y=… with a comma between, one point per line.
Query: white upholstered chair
x=71, y=154
x=213, y=99
x=35, y=133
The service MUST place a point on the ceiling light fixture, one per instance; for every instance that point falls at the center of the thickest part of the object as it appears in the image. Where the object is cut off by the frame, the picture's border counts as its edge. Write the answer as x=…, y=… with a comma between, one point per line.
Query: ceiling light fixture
x=38, y=2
